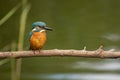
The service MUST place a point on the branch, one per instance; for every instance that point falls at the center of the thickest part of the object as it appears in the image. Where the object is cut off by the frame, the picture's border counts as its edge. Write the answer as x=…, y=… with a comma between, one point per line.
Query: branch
x=99, y=53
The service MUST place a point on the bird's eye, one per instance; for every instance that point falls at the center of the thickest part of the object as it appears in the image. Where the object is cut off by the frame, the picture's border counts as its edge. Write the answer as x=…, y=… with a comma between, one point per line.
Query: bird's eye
x=41, y=26
x=37, y=27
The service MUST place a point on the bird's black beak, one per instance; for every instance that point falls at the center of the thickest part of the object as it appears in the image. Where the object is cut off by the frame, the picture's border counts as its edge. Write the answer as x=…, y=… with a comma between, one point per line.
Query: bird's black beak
x=47, y=28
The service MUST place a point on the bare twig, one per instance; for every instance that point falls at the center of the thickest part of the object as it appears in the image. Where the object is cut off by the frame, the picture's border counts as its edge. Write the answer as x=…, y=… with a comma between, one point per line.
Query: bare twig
x=99, y=53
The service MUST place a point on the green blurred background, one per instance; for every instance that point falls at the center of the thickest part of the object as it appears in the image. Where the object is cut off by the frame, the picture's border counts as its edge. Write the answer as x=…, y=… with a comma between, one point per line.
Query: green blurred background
x=76, y=23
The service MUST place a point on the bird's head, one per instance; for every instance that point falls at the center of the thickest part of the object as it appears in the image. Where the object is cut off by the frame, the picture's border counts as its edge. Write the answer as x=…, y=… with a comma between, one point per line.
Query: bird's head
x=39, y=25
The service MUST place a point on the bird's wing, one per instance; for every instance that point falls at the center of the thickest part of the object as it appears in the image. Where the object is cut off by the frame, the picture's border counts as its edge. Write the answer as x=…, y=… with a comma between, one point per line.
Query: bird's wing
x=28, y=39
x=29, y=36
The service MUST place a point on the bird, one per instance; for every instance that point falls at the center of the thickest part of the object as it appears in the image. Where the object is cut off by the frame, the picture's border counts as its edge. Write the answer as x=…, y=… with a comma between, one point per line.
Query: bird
x=37, y=36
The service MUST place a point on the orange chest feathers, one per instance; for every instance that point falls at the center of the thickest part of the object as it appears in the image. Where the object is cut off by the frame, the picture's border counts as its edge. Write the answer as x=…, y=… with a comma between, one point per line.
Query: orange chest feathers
x=37, y=40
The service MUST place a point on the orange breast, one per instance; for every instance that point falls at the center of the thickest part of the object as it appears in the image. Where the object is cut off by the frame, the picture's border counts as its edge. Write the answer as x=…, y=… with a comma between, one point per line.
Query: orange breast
x=37, y=40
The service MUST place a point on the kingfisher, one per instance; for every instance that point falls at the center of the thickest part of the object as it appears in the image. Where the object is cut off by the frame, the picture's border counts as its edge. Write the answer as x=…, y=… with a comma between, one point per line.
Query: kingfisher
x=37, y=36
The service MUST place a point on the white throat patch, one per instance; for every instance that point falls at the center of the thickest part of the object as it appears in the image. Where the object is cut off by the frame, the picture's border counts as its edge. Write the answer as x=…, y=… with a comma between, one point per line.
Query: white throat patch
x=42, y=30
x=34, y=29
